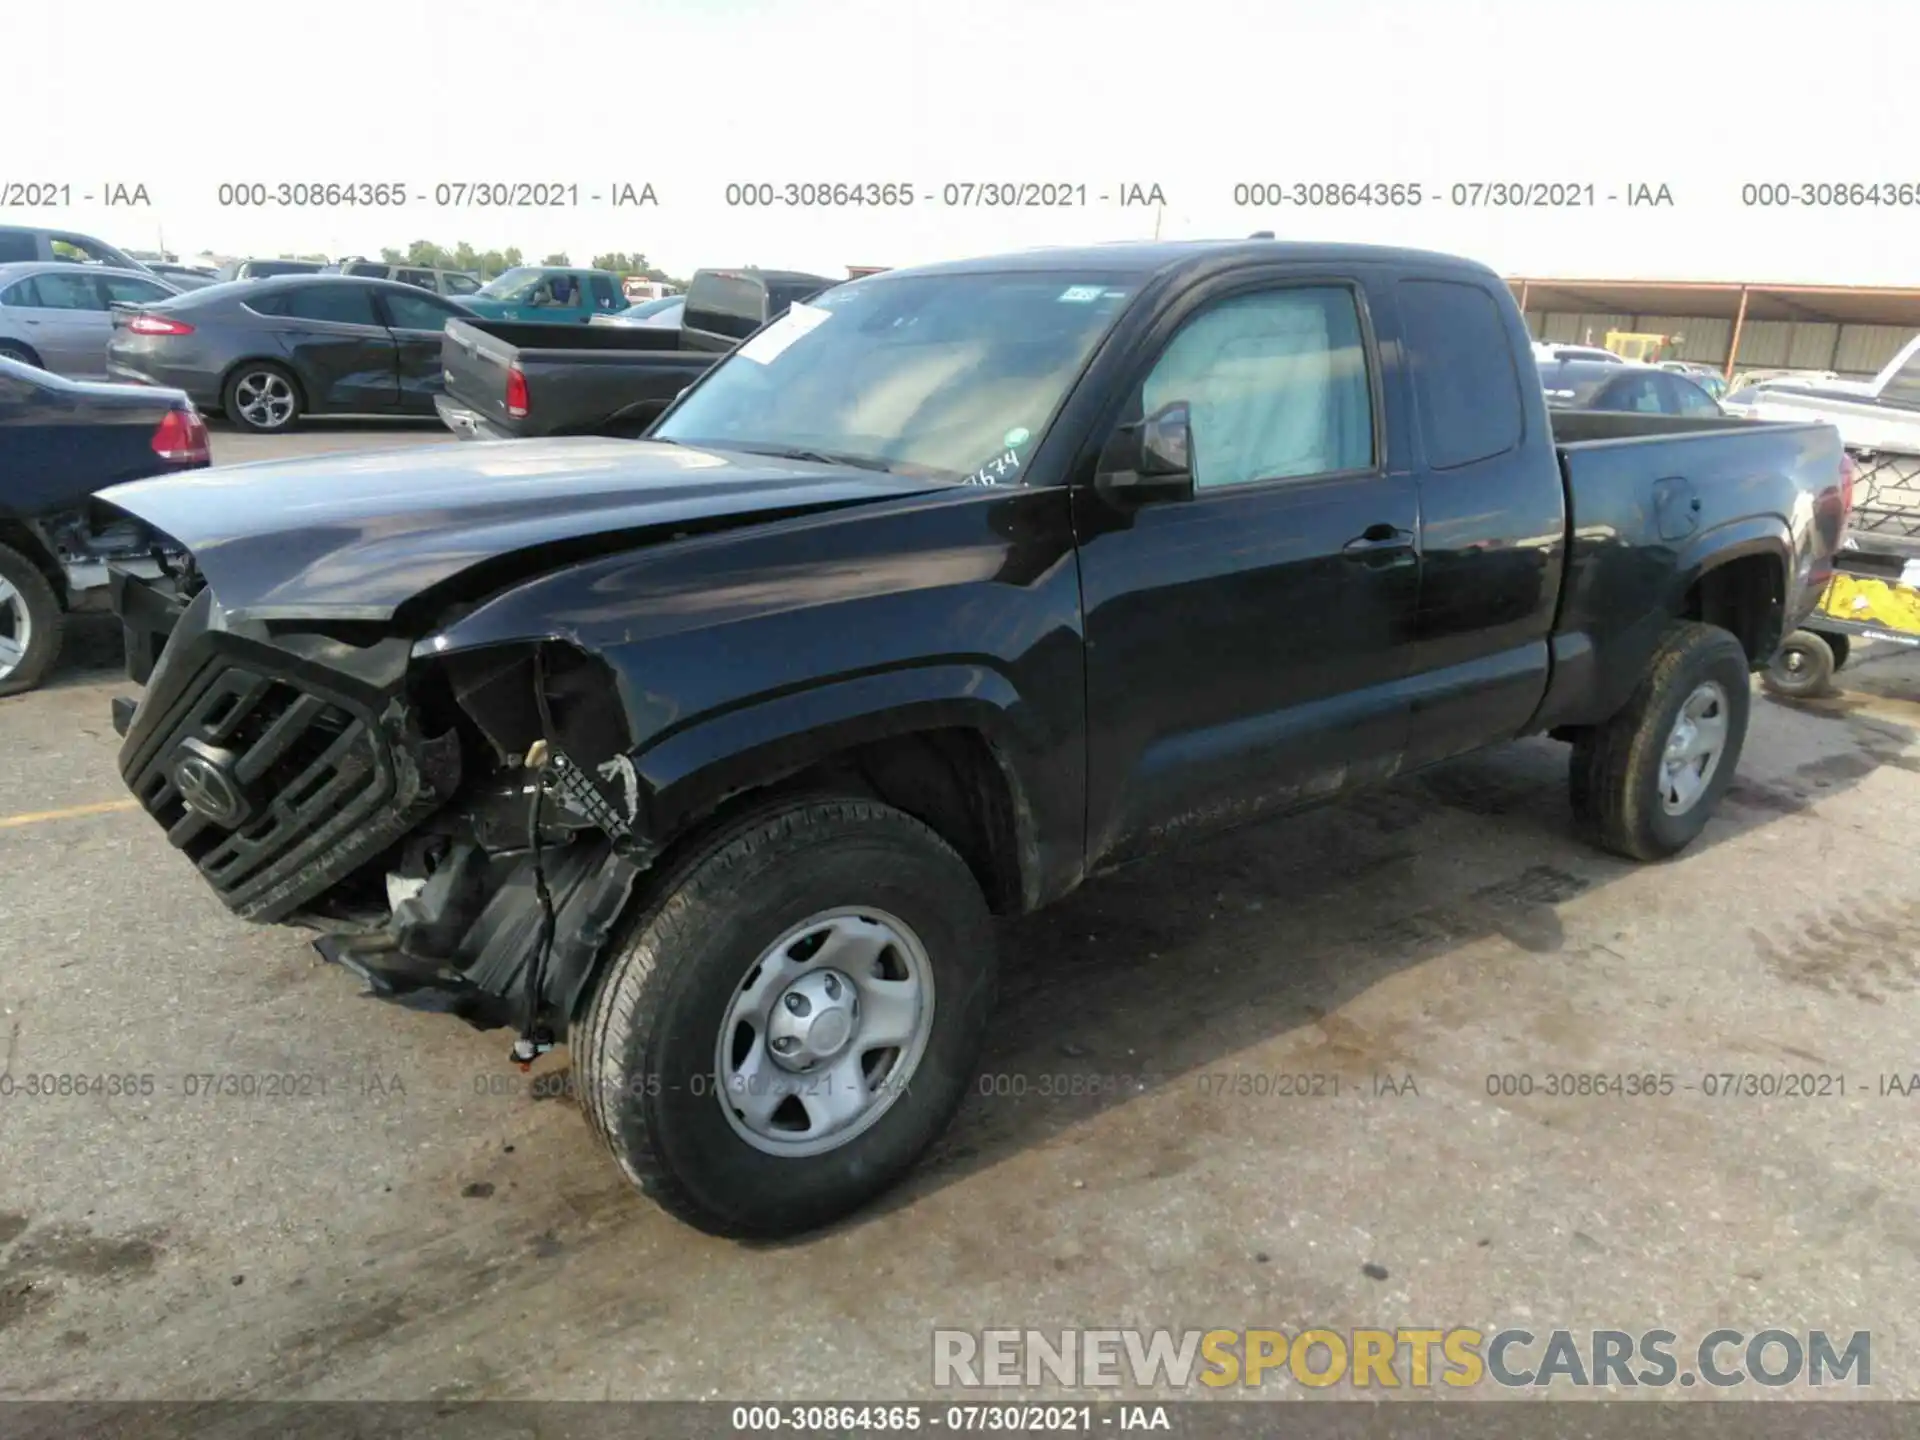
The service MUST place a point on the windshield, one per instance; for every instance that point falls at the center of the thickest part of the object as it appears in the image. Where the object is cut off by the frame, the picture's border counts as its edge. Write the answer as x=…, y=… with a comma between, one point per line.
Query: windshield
x=1575, y=383
x=952, y=376
x=512, y=285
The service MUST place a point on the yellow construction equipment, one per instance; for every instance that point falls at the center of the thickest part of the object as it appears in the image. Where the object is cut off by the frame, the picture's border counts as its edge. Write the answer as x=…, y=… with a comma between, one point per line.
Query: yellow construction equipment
x=1646, y=348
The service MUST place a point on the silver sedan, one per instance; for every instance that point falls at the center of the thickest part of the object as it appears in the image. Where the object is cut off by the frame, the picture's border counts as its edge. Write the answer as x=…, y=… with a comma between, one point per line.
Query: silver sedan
x=56, y=315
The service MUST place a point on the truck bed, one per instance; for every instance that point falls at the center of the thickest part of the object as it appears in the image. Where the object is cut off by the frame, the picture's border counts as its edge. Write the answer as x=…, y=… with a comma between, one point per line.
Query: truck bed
x=580, y=379
x=1717, y=483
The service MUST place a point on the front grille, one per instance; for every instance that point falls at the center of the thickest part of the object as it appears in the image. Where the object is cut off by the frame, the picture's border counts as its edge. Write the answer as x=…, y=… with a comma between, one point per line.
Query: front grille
x=323, y=788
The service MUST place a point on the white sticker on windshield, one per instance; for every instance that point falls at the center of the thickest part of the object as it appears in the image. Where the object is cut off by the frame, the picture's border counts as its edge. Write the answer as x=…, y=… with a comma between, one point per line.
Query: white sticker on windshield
x=1081, y=294
x=771, y=342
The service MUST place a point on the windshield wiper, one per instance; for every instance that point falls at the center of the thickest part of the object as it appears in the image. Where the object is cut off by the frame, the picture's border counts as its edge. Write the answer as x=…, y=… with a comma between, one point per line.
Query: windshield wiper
x=818, y=457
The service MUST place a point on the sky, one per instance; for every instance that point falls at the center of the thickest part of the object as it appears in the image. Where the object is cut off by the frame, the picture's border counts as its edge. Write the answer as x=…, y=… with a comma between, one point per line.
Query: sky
x=1195, y=97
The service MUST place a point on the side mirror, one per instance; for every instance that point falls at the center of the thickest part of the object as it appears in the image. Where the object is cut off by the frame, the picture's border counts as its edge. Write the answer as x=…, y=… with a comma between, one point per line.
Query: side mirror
x=1160, y=465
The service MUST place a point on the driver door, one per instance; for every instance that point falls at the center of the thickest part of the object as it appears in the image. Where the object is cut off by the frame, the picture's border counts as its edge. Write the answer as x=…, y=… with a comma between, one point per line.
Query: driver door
x=1246, y=645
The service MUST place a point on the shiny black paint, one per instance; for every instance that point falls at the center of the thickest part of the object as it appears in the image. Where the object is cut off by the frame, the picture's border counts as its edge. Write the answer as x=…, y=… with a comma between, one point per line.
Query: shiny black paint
x=63, y=440
x=1138, y=671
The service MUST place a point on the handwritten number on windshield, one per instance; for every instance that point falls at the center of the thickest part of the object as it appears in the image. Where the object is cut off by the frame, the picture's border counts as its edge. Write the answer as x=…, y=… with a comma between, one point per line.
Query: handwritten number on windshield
x=1004, y=466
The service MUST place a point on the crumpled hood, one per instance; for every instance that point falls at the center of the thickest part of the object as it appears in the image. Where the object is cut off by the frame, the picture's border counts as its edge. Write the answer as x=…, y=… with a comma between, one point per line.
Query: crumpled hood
x=353, y=537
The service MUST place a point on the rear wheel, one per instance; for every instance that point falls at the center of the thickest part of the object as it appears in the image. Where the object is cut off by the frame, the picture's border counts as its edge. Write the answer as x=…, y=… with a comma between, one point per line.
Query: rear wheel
x=1646, y=782
x=796, y=1018
x=1803, y=666
x=12, y=351
x=30, y=623
x=261, y=397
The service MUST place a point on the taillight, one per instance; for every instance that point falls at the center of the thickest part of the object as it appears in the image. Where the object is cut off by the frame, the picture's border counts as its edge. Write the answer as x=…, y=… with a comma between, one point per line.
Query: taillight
x=182, y=438
x=158, y=325
x=516, y=392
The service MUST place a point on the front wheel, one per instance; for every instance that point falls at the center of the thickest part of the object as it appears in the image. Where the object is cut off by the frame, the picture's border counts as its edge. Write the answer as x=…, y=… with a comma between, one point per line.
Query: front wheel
x=1803, y=666
x=1646, y=782
x=797, y=1017
x=30, y=623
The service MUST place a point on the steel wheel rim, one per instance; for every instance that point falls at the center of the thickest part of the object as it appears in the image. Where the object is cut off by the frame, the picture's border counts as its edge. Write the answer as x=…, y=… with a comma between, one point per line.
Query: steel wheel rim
x=789, y=1081
x=1694, y=746
x=16, y=628
x=264, y=399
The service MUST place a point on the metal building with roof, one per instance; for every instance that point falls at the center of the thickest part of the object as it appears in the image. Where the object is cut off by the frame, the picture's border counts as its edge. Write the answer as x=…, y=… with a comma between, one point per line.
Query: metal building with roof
x=1734, y=325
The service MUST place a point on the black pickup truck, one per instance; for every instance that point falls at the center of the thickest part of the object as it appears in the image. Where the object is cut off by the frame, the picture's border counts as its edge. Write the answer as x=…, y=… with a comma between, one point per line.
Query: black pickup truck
x=711, y=754
x=514, y=380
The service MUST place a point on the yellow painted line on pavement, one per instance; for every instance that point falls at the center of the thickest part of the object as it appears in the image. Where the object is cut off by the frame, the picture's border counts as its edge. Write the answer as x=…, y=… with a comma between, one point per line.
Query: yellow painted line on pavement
x=72, y=812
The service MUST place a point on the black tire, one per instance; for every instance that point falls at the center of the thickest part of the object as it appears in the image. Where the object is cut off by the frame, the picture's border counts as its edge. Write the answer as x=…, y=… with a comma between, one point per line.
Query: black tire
x=245, y=375
x=1840, y=645
x=1616, y=774
x=11, y=351
x=1803, y=667
x=30, y=591
x=645, y=1052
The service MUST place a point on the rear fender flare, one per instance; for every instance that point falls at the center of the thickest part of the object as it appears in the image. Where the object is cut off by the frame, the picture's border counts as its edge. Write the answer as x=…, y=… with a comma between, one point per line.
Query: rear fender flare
x=1735, y=540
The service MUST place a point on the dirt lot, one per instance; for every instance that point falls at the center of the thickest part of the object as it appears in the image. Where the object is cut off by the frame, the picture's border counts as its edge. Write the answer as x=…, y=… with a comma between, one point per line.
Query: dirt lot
x=413, y=1222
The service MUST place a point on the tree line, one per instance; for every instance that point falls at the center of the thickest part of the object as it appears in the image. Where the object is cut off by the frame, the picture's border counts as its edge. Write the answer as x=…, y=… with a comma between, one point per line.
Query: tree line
x=489, y=263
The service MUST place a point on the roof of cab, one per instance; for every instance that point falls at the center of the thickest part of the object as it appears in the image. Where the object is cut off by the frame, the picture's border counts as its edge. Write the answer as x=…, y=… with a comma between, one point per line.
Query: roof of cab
x=1152, y=257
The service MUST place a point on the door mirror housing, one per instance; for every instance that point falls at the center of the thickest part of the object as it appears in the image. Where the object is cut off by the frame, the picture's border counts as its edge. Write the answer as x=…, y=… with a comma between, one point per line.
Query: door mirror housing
x=1157, y=464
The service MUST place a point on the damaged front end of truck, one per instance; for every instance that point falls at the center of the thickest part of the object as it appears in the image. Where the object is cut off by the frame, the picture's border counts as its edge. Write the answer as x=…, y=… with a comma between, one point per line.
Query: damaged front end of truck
x=463, y=831
x=459, y=820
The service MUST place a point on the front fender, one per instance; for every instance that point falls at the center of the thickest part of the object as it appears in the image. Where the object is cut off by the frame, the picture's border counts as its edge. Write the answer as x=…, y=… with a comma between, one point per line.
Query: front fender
x=700, y=765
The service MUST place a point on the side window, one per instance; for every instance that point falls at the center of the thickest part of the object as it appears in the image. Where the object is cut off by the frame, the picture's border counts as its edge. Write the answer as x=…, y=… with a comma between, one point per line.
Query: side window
x=337, y=304
x=68, y=290
x=1638, y=393
x=16, y=246
x=21, y=293
x=1689, y=399
x=606, y=295
x=79, y=248
x=1465, y=385
x=420, y=279
x=406, y=311
x=1276, y=383
x=460, y=284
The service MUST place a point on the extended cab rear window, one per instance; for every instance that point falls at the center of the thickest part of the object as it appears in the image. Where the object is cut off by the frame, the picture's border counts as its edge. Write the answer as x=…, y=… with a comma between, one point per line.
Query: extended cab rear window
x=1465, y=385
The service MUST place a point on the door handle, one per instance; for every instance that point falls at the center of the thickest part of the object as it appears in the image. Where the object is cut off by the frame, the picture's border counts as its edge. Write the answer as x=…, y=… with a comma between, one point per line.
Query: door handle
x=1378, y=540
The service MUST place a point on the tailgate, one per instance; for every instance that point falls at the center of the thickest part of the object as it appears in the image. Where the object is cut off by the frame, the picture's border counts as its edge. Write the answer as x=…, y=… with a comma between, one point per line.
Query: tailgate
x=474, y=365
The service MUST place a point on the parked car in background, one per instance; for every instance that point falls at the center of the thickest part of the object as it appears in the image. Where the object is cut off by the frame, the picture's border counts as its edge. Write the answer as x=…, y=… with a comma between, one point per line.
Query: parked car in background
x=23, y=244
x=62, y=441
x=263, y=353
x=184, y=277
x=1707, y=377
x=1748, y=386
x=55, y=314
x=548, y=295
x=662, y=314
x=507, y=380
x=1878, y=414
x=1644, y=389
x=440, y=282
x=638, y=290
x=266, y=269
x=713, y=755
